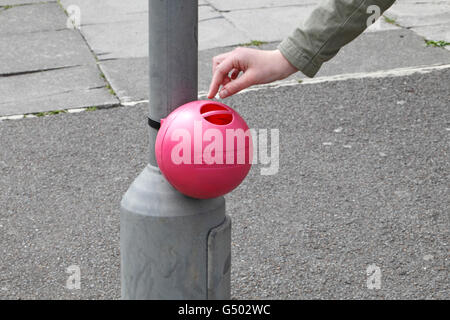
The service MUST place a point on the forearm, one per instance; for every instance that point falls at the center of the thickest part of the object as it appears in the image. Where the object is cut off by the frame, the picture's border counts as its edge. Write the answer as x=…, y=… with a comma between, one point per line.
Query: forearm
x=330, y=26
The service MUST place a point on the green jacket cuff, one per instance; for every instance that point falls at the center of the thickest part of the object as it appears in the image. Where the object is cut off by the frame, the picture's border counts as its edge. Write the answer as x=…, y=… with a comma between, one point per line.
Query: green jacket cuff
x=298, y=58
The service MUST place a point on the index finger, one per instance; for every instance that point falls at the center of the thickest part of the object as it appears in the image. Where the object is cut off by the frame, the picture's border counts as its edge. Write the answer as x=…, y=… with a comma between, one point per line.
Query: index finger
x=218, y=60
x=220, y=73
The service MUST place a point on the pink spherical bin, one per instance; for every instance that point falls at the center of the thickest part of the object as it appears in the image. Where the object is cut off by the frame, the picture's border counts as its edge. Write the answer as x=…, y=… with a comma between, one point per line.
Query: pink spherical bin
x=204, y=149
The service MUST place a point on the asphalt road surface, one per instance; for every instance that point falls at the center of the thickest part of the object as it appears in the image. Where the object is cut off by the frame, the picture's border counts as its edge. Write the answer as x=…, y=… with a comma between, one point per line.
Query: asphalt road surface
x=362, y=183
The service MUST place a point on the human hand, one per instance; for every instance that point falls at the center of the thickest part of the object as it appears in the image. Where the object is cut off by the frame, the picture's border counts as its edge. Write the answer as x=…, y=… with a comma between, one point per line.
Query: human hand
x=258, y=67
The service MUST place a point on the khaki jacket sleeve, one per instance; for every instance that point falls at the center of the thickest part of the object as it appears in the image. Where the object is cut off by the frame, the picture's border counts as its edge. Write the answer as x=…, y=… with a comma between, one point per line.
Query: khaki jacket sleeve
x=331, y=25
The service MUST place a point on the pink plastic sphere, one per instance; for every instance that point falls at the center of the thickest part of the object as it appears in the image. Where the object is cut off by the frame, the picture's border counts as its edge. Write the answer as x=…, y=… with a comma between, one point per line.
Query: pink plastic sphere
x=204, y=149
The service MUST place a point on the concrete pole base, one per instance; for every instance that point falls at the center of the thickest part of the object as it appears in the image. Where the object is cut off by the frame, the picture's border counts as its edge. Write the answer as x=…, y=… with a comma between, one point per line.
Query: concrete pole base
x=173, y=246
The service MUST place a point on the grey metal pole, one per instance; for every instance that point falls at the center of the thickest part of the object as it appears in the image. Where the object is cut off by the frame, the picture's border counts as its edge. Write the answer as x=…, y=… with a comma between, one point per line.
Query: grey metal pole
x=172, y=246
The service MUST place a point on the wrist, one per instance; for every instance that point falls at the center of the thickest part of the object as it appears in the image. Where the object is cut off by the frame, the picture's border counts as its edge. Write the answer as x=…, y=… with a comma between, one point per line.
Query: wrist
x=285, y=67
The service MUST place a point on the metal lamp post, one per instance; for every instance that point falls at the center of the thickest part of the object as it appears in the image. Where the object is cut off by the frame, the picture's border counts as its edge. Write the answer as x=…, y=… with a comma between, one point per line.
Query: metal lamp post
x=172, y=246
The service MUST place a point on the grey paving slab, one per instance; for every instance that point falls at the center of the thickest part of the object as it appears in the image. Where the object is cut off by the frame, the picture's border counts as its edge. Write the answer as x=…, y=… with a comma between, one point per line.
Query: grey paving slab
x=231, y=5
x=130, y=38
x=118, y=40
x=384, y=50
x=114, y=28
x=269, y=24
x=43, y=50
x=419, y=13
x=128, y=77
x=109, y=11
x=372, y=51
x=381, y=25
x=309, y=231
x=220, y=33
x=19, y=2
x=435, y=32
x=33, y=18
x=66, y=88
x=207, y=12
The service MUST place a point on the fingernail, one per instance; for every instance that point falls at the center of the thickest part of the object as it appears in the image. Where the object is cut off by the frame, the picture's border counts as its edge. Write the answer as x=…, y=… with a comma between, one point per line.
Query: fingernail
x=224, y=93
